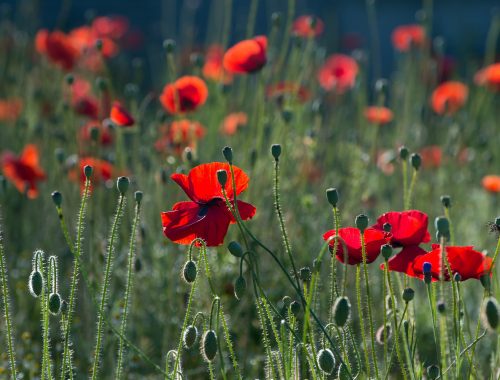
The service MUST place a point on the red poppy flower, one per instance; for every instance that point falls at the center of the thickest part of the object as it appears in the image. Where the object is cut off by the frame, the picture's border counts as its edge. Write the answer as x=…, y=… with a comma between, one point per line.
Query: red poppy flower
x=113, y=27
x=206, y=215
x=104, y=133
x=491, y=183
x=374, y=239
x=432, y=156
x=102, y=171
x=58, y=48
x=338, y=73
x=184, y=95
x=213, y=68
x=24, y=172
x=463, y=260
x=291, y=88
x=41, y=41
x=247, y=56
x=10, y=109
x=180, y=134
x=449, y=97
x=233, y=121
x=407, y=227
x=385, y=161
x=308, y=26
x=406, y=36
x=120, y=116
x=378, y=115
x=403, y=261
x=489, y=77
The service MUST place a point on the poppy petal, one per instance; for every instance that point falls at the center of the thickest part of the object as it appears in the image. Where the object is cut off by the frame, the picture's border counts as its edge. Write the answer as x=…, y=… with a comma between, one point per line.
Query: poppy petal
x=403, y=261
x=120, y=116
x=246, y=210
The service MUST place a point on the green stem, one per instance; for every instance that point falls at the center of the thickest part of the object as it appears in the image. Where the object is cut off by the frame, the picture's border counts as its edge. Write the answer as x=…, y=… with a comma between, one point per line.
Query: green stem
x=410, y=191
x=361, y=319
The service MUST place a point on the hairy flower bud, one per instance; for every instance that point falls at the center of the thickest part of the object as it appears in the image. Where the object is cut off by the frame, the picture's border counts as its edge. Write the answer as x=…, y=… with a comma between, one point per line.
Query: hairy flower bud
x=240, y=286
x=122, y=184
x=228, y=154
x=57, y=198
x=54, y=303
x=35, y=283
x=222, y=177
x=235, y=249
x=190, y=336
x=341, y=311
x=276, y=151
x=209, y=346
x=189, y=271
x=361, y=222
x=333, y=196
x=490, y=313
x=326, y=360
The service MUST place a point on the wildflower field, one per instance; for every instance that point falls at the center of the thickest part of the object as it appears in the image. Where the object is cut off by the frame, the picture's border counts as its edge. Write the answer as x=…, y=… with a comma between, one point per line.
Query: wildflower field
x=265, y=202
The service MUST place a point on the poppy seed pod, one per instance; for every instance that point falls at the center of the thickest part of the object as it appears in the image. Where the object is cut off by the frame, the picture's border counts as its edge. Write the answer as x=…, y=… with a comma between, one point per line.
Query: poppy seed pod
x=416, y=161
x=189, y=271
x=190, y=336
x=235, y=249
x=35, y=283
x=404, y=153
x=326, y=360
x=442, y=225
x=138, y=196
x=433, y=371
x=361, y=222
x=341, y=311
x=408, y=294
x=222, y=177
x=333, y=196
x=305, y=274
x=54, y=303
x=457, y=277
x=490, y=313
x=276, y=151
x=240, y=286
x=227, y=152
x=87, y=170
x=169, y=45
x=209, y=346
x=122, y=184
x=57, y=198
x=446, y=201
x=386, y=251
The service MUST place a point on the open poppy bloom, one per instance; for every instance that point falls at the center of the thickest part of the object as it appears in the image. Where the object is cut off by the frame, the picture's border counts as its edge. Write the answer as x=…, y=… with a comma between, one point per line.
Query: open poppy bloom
x=206, y=216
x=491, y=183
x=489, y=77
x=407, y=227
x=212, y=68
x=307, y=26
x=102, y=171
x=338, y=73
x=120, y=116
x=351, y=237
x=24, y=171
x=463, y=260
x=432, y=156
x=233, y=121
x=104, y=135
x=403, y=261
x=113, y=27
x=288, y=88
x=247, y=56
x=180, y=134
x=404, y=37
x=185, y=94
x=58, y=48
x=378, y=115
x=449, y=97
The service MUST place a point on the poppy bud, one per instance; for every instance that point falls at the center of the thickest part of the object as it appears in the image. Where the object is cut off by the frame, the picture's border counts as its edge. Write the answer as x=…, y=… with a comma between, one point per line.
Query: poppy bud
x=295, y=308
x=446, y=201
x=138, y=196
x=387, y=227
x=35, y=283
x=190, y=336
x=101, y=84
x=122, y=184
x=490, y=313
x=497, y=222
x=416, y=161
x=209, y=346
x=383, y=330
x=381, y=86
x=57, y=198
x=427, y=267
x=305, y=274
x=333, y=196
x=69, y=78
x=341, y=311
x=406, y=327
x=441, y=307
x=433, y=371
x=442, y=225
x=240, y=286
x=98, y=44
x=326, y=360
x=287, y=116
x=197, y=59
x=54, y=303
x=169, y=45
x=276, y=151
x=276, y=19
x=457, y=277
x=408, y=294
x=235, y=249
x=228, y=154
x=94, y=133
x=386, y=251
x=404, y=153
x=361, y=222
x=189, y=271
x=222, y=177
x=60, y=155
x=87, y=170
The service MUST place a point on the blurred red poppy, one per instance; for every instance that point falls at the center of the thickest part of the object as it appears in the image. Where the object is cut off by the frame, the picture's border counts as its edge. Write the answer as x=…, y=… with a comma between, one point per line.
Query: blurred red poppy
x=405, y=37
x=432, y=156
x=351, y=237
x=462, y=260
x=83, y=102
x=57, y=47
x=113, y=27
x=407, y=227
x=338, y=73
x=308, y=26
x=120, y=116
x=104, y=135
x=491, y=183
x=213, y=68
x=206, y=216
x=185, y=94
x=102, y=172
x=180, y=134
x=449, y=97
x=24, y=171
x=378, y=115
x=233, y=121
x=10, y=109
x=247, y=56
x=288, y=88
x=403, y=261
x=489, y=77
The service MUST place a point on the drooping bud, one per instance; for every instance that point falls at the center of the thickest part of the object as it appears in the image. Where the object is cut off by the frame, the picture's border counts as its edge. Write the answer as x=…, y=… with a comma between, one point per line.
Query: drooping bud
x=276, y=151
x=122, y=184
x=408, y=294
x=57, y=198
x=35, y=283
x=361, y=222
x=227, y=152
x=240, y=286
x=286, y=301
x=190, y=336
x=490, y=313
x=235, y=249
x=209, y=346
x=222, y=177
x=433, y=372
x=333, y=196
x=341, y=311
x=54, y=303
x=189, y=271
x=386, y=251
x=416, y=161
x=326, y=360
